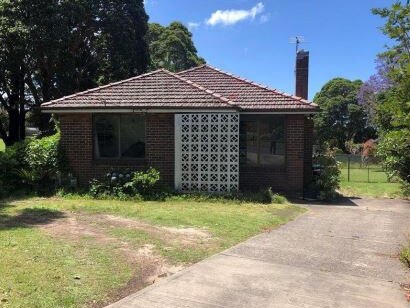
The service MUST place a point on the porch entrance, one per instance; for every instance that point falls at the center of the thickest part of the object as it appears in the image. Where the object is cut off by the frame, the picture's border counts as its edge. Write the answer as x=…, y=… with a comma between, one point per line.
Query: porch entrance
x=207, y=152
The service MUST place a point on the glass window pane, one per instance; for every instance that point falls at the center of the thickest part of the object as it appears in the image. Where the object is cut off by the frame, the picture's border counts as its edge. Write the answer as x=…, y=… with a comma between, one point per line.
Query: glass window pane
x=249, y=142
x=106, y=136
x=132, y=136
x=272, y=144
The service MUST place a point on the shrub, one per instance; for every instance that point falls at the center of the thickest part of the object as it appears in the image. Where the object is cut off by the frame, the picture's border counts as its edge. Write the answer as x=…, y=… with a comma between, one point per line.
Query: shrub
x=45, y=163
x=145, y=183
x=126, y=184
x=328, y=180
x=12, y=160
x=264, y=195
x=32, y=164
x=394, y=150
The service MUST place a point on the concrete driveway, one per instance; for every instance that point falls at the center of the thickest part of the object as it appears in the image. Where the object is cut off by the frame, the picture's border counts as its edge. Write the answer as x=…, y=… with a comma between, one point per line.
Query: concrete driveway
x=332, y=256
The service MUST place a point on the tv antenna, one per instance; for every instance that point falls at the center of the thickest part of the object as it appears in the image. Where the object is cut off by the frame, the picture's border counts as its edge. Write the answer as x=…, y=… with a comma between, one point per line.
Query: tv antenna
x=297, y=40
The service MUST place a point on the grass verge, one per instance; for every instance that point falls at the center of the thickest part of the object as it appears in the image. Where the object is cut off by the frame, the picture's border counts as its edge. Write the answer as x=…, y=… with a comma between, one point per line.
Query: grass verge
x=373, y=190
x=41, y=270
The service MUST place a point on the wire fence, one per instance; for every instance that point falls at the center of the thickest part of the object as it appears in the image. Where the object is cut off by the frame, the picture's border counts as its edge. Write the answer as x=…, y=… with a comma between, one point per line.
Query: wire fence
x=355, y=169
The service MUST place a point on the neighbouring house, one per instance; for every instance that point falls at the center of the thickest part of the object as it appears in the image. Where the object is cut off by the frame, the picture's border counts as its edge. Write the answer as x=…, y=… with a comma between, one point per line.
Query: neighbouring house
x=203, y=129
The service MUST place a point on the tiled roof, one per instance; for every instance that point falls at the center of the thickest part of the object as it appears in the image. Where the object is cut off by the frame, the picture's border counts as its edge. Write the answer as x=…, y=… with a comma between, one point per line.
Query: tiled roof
x=203, y=87
x=245, y=94
x=157, y=89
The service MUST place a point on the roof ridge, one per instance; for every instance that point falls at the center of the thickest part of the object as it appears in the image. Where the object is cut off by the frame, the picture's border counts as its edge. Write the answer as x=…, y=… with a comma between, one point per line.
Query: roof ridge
x=276, y=91
x=102, y=87
x=192, y=68
x=202, y=88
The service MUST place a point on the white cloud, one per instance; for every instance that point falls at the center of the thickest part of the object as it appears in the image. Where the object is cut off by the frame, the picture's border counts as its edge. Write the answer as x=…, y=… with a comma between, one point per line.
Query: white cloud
x=193, y=25
x=230, y=17
x=264, y=18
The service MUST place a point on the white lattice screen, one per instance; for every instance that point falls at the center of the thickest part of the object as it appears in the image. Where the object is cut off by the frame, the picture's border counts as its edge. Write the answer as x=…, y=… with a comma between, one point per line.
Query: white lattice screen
x=207, y=152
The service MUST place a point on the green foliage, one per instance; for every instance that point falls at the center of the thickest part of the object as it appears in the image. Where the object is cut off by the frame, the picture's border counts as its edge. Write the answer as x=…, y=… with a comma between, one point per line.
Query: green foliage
x=54, y=48
x=12, y=160
x=127, y=185
x=2, y=146
x=326, y=183
x=266, y=196
x=144, y=183
x=353, y=148
x=122, y=47
x=45, y=162
x=393, y=112
x=172, y=47
x=395, y=151
x=405, y=255
x=341, y=118
x=33, y=164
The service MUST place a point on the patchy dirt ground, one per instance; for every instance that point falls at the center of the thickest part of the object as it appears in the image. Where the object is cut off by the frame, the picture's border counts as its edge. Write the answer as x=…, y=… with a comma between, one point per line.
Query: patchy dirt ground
x=149, y=265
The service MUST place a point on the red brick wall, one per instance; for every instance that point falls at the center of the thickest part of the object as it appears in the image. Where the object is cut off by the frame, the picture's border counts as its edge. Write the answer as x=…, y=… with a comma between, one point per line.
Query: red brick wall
x=289, y=180
x=307, y=172
x=77, y=141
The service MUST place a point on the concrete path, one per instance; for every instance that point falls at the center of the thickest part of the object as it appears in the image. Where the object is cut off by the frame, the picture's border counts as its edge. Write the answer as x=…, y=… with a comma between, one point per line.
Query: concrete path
x=332, y=256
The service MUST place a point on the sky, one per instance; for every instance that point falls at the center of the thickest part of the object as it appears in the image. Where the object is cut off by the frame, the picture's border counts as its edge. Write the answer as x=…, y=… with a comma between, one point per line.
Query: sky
x=252, y=38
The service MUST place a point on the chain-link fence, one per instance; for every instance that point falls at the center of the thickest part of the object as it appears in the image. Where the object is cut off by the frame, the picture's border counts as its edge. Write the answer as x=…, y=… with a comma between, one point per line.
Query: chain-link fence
x=354, y=168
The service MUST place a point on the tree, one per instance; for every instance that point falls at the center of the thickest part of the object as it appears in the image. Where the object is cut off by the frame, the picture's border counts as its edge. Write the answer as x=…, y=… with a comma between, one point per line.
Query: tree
x=372, y=91
x=13, y=71
x=172, y=47
x=122, y=46
x=341, y=118
x=52, y=48
x=393, y=110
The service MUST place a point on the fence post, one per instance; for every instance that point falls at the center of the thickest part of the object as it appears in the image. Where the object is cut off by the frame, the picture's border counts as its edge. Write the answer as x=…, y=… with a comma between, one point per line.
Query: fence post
x=348, y=167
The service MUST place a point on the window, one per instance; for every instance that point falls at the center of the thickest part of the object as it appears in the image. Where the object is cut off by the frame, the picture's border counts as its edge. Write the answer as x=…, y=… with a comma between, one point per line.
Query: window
x=262, y=141
x=119, y=136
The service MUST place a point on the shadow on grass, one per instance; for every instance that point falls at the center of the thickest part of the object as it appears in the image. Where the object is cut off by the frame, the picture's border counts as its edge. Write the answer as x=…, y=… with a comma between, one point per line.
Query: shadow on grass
x=28, y=218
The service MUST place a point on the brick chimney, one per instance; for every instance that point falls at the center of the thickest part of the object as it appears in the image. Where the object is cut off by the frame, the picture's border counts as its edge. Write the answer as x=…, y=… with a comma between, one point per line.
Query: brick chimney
x=302, y=73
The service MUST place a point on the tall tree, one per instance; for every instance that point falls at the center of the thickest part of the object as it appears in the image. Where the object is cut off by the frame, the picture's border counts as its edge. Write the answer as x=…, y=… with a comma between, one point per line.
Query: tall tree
x=341, y=118
x=52, y=48
x=13, y=71
x=123, y=49
x=172, y=47
x=393, y=110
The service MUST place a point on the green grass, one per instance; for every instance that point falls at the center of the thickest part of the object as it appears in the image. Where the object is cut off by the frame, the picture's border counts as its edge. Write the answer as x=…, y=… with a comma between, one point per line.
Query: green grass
x=372, y=175
x=2, y=146
x=368, y=183
x=373, y=190
x=37, y=270
x=405, y=255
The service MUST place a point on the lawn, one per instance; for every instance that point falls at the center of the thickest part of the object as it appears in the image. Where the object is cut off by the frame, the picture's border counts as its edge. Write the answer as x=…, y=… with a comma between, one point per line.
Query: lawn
x=373, y=190
x=371, y=182
x=60, y=252
x=2, y=146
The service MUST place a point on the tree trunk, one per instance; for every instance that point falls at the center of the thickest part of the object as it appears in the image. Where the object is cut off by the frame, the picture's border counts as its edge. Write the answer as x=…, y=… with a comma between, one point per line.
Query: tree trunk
x=14, y=127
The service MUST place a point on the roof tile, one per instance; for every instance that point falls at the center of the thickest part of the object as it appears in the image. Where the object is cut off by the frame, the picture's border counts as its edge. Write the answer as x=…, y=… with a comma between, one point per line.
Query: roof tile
x=200, y=87
x=245, y=94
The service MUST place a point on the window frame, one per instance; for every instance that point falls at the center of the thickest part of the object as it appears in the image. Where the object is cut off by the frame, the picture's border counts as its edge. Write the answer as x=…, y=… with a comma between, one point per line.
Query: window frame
x=258, y=119
x=118, y=158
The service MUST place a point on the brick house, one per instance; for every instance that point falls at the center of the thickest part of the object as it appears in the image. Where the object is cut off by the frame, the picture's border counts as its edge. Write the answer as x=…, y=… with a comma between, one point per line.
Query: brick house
x=203, y=129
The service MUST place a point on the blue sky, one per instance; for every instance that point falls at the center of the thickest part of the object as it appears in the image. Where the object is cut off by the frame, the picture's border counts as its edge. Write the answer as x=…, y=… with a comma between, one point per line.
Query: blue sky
x=250, y=38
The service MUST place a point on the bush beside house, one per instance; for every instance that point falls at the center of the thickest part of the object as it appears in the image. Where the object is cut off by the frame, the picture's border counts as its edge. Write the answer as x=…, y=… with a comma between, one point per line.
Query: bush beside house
x=327, y=180
x=32, y=165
